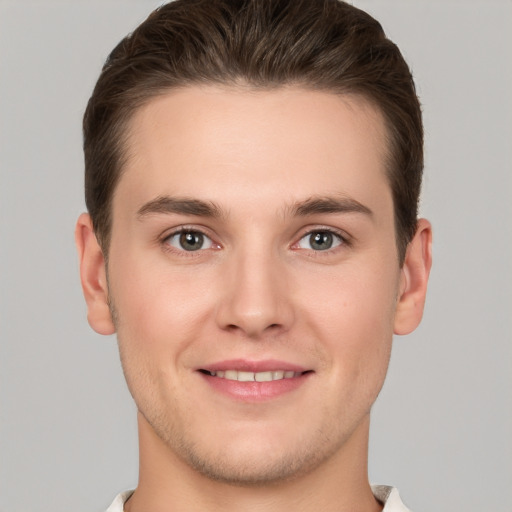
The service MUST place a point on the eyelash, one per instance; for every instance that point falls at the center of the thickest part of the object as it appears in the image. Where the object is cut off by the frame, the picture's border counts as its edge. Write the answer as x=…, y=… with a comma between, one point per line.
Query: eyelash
x=165, y=241
x=343, y=238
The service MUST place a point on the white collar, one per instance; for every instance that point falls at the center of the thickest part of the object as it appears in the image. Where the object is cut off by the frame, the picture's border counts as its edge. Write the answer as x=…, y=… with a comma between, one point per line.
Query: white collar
x=384, y=493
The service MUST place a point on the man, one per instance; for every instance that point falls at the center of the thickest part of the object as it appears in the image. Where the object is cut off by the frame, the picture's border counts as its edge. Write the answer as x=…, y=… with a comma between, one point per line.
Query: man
x=253, y=170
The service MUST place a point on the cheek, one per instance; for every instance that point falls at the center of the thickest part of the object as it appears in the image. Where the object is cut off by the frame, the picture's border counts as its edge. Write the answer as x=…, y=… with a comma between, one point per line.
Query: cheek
x=159, y=307
x=159, y=315
x=355, y=325
x=352, y=311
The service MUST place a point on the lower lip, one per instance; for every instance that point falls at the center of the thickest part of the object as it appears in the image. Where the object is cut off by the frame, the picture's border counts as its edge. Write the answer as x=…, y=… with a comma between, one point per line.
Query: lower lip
x=255, y=391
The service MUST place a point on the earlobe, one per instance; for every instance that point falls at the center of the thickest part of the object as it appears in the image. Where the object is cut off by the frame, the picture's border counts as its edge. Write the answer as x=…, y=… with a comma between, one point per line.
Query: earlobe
x=93, y=276
x=414, y=279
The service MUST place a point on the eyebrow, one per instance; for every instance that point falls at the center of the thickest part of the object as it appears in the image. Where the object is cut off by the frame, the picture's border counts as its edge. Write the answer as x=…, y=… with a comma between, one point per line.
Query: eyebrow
x=319, y=205
x=199, y=208
x=179, y=205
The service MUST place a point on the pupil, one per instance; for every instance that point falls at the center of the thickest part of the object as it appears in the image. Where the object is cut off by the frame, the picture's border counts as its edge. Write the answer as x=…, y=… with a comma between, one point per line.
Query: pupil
x=191, y=241
x=321, y=241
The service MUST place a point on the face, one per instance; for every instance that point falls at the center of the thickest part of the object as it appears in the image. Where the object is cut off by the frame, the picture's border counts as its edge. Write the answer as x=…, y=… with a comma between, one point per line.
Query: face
x=254, y=276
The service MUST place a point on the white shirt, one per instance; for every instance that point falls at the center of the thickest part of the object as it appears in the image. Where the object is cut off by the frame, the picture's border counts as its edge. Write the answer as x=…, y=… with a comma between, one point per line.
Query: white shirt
x=385, y=494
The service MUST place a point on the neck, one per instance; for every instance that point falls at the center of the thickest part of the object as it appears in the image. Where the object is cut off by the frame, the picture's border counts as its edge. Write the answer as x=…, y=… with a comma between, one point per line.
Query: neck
x=166, y=482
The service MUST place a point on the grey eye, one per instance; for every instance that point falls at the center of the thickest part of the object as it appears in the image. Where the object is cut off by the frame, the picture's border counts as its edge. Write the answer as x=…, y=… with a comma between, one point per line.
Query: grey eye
x=190, y=241
x=319, y=241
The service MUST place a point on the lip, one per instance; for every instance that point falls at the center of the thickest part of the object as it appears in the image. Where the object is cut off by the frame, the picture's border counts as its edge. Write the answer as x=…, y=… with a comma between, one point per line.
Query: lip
x=245, y=365
x=254, y=392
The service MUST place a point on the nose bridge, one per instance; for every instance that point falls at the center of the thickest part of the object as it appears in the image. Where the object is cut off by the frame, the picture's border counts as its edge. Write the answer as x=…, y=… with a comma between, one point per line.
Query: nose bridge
x=255, y=298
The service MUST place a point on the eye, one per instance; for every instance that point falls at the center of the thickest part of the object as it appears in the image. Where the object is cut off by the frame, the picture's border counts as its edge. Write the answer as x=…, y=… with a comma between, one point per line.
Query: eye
x=189, y=241
x=321, y=240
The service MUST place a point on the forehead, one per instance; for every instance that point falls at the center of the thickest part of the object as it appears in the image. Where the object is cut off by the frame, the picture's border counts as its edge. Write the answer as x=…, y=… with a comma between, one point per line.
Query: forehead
x=223, y=141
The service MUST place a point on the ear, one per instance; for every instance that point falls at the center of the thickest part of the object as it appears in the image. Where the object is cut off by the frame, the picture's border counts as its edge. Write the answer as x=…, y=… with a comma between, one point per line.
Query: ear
x=93, y=276
x=414, y=279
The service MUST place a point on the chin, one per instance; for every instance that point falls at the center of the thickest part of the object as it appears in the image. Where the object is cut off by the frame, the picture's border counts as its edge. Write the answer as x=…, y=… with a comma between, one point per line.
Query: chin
x=262, y=459
x=252, y=470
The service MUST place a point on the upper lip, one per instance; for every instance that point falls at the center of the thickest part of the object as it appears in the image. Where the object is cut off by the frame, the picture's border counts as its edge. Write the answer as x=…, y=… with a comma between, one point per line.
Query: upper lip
x=245, y=365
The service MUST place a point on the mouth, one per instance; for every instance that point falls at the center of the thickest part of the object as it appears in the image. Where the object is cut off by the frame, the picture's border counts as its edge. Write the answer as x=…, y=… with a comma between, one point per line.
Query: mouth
x=245, y=376
x=254, y=381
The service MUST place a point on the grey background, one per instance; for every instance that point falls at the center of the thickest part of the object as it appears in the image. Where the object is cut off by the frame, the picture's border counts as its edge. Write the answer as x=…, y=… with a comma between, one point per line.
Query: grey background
x=442, y=429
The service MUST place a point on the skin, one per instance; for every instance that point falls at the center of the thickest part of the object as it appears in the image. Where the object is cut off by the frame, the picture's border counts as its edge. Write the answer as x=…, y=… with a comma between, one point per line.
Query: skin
x=257, y=290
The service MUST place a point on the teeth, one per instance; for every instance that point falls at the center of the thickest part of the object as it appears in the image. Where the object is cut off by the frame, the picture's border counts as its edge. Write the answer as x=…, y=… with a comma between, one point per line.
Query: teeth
x=255, y=376
x=264, y=376
x=246, y=376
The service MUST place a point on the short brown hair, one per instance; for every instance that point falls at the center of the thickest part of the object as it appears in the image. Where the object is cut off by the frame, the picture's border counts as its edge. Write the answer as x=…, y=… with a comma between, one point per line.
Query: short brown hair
x=316, y=44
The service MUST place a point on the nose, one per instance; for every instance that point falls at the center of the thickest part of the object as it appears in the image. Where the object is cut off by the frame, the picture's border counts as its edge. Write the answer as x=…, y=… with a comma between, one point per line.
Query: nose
x=256, y=297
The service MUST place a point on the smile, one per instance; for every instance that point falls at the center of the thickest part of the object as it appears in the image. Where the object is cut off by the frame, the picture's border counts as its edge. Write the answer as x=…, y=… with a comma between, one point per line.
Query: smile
x=254, y=381
x=244, y=376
